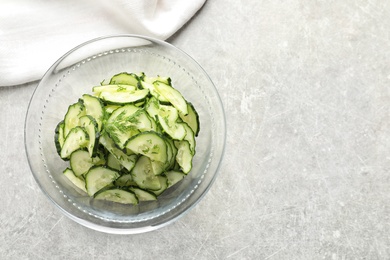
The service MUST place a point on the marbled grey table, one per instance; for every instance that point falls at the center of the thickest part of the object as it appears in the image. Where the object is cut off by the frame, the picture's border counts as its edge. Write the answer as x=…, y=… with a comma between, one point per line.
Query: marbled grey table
x=306, y=91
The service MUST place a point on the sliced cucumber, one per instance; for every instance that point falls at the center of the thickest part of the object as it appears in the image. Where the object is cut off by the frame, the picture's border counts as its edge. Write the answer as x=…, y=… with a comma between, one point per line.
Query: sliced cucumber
x=122, y=112
x=143, y=175
x=81, y=162
x=172, y=95
x=168, y=112
x=152, y=106
x=143, y=195
x=140, y=103
x=120, y=125
x=127, y=161
x=101, y=156
x=189, y=137
x=144, y=122
x=184, y=155
x=73, y=115
x=125, y=125
x=129, y=141
x=99, y=177
x=109, y=109
x=163, y=185
x=91, y=127
x=117, y=195
x=125, y=180
x=167, y=118
x=75, y=140
x=165, y=80
x=113, y=163
x=158, y=167
x=113, y=88
x=173, y=151
x=153, y=91
x=59, y=136
x=94, y=107
x=174, y=129
x=79, y=183
x=174, y=177
x=125, y=79
x=192, y=118
x=124, y=97
x=150, y=144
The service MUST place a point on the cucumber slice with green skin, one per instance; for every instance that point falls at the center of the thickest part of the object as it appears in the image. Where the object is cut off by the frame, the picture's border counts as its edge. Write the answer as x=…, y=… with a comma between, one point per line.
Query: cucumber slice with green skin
x=148, y=82
x=59, y=136
x=122, y=112
x=153, y=91
x=184, y=155
x=80, y=162
x=190, y=137
x=94, y=107
x=172, y=95
x=143, y=195
x=163, y=183
x=125, y=79
x=174, y=177
x=153, y=124
x=99, y=177
x=165, y=80
x=141, y=120
x=113, y=163
x=192, y=118
x=170, y=155
x=152, y=106
x=143, y=175
x=113, y=88
x=150, y=144
x=175, y=129
x=72, y=116
x=125, y=180
x=124, y=97
x=174, y=152
x=168, y=112
x=117, y=195
x=79, y=183
x=127, y=161
x=167, y=119
x=109, y=109
x=91, y=127
x=158, y=167
x=75, y=140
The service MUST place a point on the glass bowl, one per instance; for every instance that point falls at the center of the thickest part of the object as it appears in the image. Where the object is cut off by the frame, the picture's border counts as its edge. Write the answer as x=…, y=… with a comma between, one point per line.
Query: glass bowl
x=76, y=73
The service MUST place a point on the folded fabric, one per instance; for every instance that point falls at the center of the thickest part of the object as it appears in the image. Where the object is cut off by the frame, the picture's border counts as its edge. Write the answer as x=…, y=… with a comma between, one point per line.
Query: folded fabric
x=34, y=34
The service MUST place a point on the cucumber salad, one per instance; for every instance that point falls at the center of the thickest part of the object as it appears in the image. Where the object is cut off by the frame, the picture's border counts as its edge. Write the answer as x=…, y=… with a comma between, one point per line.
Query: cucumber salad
x=130, y=140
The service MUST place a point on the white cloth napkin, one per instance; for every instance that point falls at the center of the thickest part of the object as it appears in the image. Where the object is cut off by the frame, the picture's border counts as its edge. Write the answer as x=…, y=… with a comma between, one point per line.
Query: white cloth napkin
x=34, y=34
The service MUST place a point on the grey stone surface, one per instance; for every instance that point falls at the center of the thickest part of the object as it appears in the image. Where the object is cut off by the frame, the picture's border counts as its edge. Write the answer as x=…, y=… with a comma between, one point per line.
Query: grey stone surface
x=305, y=85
